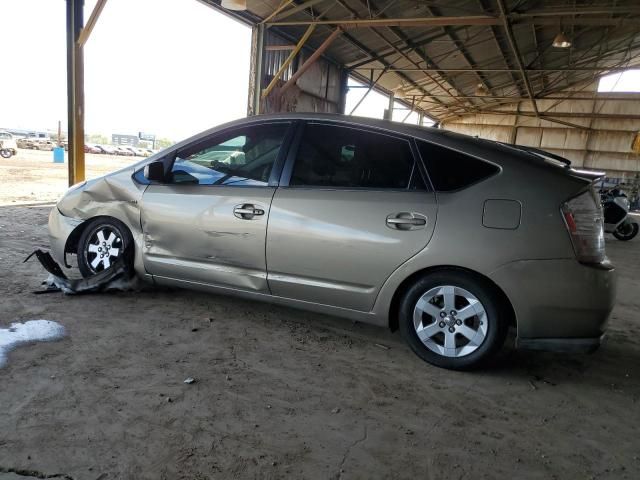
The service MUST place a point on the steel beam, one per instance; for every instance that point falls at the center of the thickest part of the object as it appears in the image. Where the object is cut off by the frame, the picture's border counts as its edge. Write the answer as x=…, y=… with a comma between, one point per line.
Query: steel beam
x=373, y=84
x=500, y=70
x=75, y=92
x=516, y=53
x=471, y=20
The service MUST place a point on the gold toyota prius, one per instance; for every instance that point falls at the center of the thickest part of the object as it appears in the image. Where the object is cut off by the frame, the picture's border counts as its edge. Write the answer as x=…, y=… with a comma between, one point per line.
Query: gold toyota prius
x=449, y=238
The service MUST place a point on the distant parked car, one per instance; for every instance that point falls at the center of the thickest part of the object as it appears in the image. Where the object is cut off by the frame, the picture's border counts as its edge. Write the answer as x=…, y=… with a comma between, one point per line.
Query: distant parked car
x=107, y=149
x=88, y=148
x=140, y=152
x=23, y=142
x=44, y=144
x=448, y=238
x=123, y=151
x=29, y=143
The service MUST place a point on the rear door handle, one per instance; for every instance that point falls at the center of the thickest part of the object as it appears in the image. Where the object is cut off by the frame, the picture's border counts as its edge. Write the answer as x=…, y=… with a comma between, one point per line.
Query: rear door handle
x=247, y=211
x=405, y=221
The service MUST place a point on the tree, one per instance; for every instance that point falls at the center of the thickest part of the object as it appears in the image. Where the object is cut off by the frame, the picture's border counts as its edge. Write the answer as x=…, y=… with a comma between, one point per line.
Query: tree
x=97, y=138
x=163, y=143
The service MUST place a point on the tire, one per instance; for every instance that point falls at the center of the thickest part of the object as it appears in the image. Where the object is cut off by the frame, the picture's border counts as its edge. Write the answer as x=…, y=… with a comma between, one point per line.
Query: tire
x=451, y=341
x=626, y=231
x=96, y=239
x=6, y=153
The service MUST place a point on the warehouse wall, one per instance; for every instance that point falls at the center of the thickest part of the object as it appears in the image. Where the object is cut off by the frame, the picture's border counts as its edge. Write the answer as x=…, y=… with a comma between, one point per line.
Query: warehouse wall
x=603, y=144
x=320, y=89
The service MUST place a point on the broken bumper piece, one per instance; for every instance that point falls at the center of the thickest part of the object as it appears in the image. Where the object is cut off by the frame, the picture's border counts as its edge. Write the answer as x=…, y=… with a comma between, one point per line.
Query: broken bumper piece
x=114, y=278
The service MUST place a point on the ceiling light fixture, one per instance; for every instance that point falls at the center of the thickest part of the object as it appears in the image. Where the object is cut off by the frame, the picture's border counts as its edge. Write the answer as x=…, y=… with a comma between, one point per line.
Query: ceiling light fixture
x=234, y=4
x=561, y=41
x=482, y=90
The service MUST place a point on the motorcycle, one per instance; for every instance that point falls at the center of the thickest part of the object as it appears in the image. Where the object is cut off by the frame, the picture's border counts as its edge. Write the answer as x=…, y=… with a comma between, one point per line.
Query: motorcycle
x=6, y=152
x=615, y=206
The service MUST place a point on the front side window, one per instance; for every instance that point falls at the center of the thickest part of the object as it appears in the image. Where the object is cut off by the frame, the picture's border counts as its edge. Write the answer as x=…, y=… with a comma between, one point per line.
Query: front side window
x=243, y=157
x=340, y=157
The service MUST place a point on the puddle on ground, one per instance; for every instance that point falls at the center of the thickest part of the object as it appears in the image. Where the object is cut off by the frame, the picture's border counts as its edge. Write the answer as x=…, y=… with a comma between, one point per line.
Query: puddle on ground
x=29, y=331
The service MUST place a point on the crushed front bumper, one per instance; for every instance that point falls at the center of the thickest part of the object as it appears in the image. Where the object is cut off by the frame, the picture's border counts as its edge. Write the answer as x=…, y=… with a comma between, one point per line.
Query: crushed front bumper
x=60, y=228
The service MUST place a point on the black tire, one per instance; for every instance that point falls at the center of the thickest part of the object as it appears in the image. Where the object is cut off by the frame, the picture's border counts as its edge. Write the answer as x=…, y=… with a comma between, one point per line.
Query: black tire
x=91, y=236
x=495, y=315
x=6, y=153
x=626, y=232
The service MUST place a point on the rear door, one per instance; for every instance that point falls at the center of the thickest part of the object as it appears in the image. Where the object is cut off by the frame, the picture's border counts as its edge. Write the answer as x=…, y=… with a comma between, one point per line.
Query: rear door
x=208, y=222
x=353, y=205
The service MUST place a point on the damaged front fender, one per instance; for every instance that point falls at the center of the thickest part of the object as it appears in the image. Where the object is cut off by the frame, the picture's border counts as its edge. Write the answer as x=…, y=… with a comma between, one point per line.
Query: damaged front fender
x=114, y=195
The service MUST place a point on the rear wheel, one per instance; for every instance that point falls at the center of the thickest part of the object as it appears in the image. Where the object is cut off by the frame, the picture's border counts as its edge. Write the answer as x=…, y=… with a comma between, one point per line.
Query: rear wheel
x=101, y=244
x=626, y=231
x=6, y=153
x=453, y=319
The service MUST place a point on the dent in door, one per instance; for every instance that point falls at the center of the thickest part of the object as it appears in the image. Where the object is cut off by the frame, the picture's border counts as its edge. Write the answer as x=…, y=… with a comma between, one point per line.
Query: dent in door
x=195, y=236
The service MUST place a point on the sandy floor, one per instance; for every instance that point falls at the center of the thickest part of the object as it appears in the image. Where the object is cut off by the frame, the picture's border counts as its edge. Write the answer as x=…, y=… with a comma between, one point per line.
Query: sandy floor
x=286, y=394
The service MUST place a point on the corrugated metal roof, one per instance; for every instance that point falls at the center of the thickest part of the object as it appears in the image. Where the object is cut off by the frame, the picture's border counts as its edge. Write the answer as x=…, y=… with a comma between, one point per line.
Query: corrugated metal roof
x=440, y=66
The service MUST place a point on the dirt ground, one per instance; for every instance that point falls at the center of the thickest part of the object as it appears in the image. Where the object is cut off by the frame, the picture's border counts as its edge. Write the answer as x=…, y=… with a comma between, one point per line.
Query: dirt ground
x=286, y=394
x=32, y=176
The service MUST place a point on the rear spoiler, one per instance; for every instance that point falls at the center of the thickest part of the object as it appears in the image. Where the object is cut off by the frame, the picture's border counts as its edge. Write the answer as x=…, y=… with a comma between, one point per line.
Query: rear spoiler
x=542, y=153
x=590, y=175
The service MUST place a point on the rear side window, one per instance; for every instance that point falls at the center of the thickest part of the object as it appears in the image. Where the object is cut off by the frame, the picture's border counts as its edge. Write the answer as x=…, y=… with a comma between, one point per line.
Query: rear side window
x=450, y=170
x=335, y=156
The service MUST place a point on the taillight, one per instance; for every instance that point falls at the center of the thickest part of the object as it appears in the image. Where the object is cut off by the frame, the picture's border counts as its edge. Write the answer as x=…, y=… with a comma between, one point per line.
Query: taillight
x=583, y=217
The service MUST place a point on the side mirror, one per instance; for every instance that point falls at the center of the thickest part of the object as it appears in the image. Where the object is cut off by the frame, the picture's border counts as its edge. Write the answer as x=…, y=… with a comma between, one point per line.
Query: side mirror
x=154, y=171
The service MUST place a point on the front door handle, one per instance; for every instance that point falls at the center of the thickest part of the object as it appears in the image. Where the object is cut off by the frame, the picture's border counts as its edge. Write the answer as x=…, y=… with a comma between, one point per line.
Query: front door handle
x=247, y=211
x=406, y=221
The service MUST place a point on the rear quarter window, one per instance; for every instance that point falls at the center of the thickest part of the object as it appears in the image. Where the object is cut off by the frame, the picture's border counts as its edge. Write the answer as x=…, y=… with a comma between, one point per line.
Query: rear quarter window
x=450, y=170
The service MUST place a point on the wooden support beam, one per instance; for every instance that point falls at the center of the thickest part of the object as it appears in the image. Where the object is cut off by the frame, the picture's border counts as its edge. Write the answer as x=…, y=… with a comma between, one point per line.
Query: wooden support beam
x=288, y=60
x=283, y=4
x=75, y=92
x=312, y=59
x=296, y=9
x=88, y=28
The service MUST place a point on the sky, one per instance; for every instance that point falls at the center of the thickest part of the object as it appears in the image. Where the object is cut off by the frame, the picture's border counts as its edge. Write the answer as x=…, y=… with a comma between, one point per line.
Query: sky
x=375, y=104
x=627, y=81
x=168, y=67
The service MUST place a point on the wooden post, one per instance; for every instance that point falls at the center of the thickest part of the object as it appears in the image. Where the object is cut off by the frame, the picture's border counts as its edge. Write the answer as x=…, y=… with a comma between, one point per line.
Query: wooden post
x=75, y=92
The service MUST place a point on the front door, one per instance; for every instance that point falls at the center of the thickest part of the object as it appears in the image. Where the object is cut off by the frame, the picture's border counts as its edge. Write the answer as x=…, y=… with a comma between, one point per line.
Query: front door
x=208, y=222
x=353, y=206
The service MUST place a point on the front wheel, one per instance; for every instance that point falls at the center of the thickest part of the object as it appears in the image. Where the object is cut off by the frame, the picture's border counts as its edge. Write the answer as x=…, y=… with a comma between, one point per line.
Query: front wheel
x=6, y=153
x=453, y=319
x=626, y=231
x=101, y=244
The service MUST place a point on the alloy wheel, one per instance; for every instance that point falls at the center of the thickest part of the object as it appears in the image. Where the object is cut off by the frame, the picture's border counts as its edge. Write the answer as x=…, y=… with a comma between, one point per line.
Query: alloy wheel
x=104, y=248
x=450, y=321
